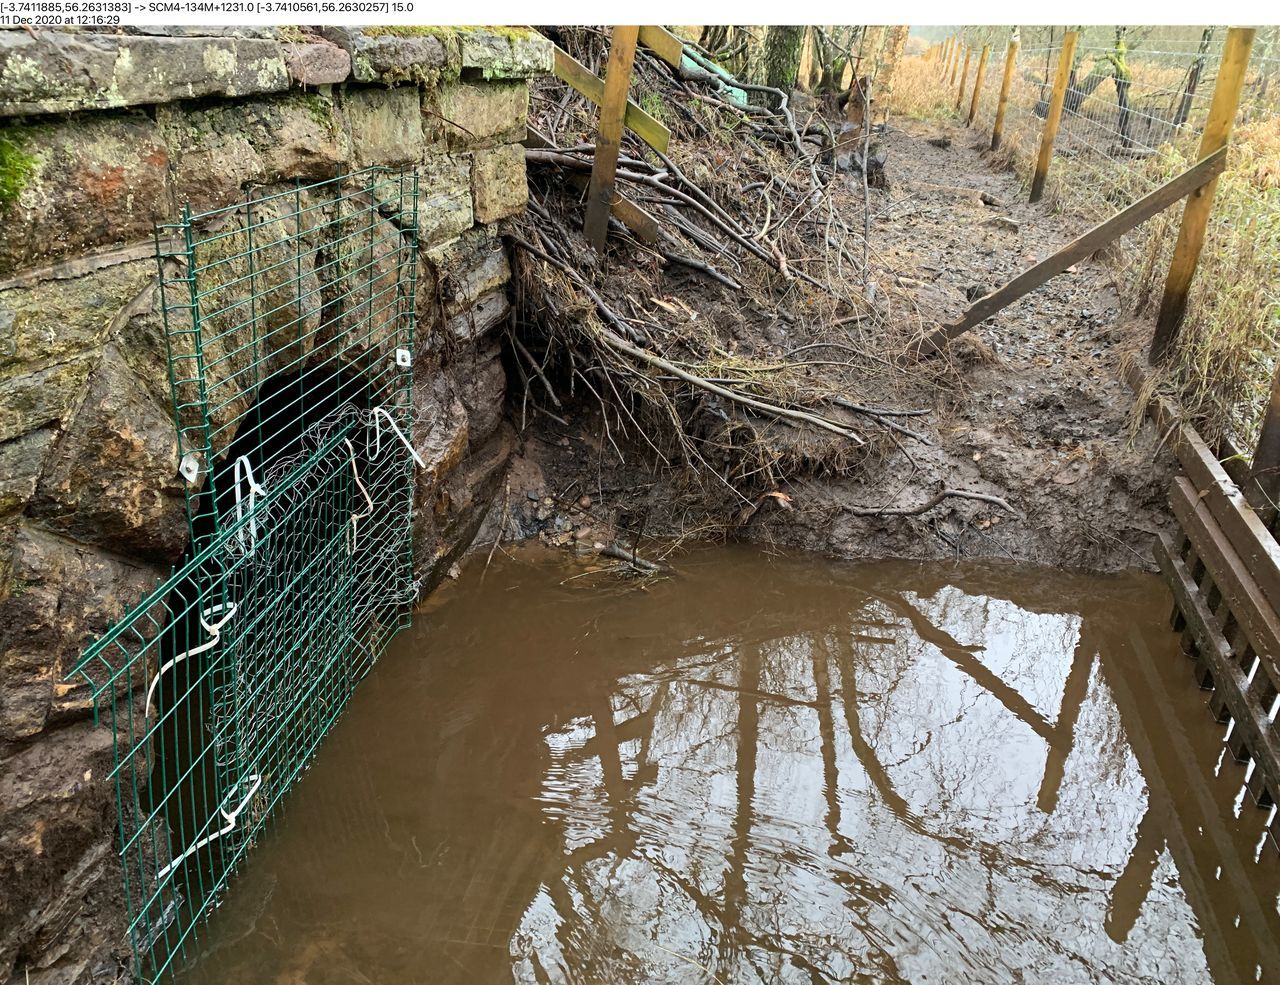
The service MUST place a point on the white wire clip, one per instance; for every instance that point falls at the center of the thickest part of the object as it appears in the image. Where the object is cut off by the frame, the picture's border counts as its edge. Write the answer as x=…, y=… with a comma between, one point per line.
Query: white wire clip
x=244, y=470
x=357, y=517
x=377, y=435
x=230, y=817
x=227, y=609
x=189, y=467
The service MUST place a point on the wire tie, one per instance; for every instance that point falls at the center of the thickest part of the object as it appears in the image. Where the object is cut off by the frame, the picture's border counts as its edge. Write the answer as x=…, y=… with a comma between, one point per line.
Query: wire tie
x=231, y=818
x=357, y=517
x=244, y=470
x=377, y=435
x=228, y=609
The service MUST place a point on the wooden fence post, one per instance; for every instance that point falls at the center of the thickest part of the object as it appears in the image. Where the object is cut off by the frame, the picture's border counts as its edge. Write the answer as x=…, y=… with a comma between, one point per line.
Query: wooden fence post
x=977, y=84
x=1195, y=216
x=1055, y=115
x=1010, y=62
x=955, y=62
x=613, y=107
x=964, y=75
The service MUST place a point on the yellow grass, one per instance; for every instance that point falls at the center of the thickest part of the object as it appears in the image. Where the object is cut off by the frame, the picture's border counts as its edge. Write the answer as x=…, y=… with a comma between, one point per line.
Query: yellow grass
x=1231, y=336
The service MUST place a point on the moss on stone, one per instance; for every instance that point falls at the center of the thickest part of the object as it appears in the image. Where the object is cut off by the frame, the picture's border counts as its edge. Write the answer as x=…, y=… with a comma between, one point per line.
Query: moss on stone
x=15, y=166
x=407, y=31
x=443, y=33
x=320, y=110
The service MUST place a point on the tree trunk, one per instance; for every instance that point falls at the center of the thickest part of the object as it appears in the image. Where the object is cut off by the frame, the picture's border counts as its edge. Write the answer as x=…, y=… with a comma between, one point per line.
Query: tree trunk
x=782, y=56
x=1193, y=80
x=894, y=48
x=809, y=73
x=1122, y=100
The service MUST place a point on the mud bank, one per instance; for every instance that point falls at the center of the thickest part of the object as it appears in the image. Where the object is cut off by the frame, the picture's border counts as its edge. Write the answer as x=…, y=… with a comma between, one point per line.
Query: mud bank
x=1031, y=413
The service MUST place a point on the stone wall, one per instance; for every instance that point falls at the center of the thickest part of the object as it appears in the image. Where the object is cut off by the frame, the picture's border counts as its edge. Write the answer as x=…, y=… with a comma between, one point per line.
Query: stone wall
x=101, y=137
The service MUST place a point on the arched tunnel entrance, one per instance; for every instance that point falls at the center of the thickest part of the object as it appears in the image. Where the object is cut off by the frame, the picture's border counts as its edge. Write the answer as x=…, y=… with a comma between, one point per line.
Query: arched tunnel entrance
x=223, y=683
x=289, y=323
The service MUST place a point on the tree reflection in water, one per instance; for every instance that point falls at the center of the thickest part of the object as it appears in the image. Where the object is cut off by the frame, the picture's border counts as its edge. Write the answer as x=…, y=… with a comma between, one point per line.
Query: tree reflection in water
x=766, y=770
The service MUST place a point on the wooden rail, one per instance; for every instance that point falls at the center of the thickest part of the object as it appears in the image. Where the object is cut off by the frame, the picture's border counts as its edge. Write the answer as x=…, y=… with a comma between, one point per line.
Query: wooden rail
x=616, y=111
x=568, y=69
x=1084, y=246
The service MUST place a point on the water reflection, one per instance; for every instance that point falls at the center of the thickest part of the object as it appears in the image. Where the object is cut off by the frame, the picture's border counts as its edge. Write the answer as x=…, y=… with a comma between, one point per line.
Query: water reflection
x=766, y=770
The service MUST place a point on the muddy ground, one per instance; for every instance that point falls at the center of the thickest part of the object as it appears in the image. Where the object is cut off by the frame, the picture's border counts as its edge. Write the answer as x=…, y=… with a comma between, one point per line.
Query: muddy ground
x=1032, y=409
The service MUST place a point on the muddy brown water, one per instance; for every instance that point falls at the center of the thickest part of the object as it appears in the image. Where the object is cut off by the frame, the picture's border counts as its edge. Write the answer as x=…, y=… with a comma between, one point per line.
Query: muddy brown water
x=766, y=769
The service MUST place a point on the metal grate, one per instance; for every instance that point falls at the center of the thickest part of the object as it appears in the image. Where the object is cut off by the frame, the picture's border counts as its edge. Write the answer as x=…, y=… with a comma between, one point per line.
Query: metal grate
x=289, y=321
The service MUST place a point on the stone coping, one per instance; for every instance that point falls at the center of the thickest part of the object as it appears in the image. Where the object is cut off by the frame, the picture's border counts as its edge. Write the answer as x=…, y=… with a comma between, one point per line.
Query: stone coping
x=66, y=71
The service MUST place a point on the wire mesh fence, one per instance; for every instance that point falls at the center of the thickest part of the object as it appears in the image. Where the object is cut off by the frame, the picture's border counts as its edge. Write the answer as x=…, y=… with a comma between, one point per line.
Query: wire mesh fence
x=1134, y=113
x=290, y=323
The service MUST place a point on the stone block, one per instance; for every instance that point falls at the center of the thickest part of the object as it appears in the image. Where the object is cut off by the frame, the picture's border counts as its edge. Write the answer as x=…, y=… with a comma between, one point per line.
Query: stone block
x=361, y=290
x=391, y=55
x=317, y=64
x=498, y=183
x=62, y=596
x=468, y=267
x=30, y=400
x=53, y=320
x=480, y=318
x=506, y=54
x=60, y=910
x=21, y=462
x=385, y=125
x=444, y=198
x=218, y=149
x=479, y=114
x=112, y=479
x=56, y=72
x=81, y=184
x=482, y=387
x=463, y=472
x=288, y=304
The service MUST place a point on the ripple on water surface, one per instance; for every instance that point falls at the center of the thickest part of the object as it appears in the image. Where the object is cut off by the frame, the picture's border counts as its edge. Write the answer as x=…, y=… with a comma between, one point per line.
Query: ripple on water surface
x=765, y=769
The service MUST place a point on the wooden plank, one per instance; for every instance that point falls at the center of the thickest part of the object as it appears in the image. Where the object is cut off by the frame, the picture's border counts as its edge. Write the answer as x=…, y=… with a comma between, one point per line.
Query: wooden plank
x=635, y=218
x=1258, y=733
x=663, y=43
x=1195, y=217
x=613, y=107
x=1200, y=624
x=625, y=211
x=569, y=69
x=1050, y=132
x=1075, y=251
x=1245, y=599
x=1248, y=534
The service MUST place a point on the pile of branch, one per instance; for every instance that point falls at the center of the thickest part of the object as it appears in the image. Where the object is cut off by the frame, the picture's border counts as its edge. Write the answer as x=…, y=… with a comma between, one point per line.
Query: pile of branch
x=744, y=201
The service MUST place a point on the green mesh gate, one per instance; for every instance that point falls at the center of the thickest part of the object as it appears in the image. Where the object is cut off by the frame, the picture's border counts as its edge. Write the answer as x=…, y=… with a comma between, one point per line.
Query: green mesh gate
x=289, y=322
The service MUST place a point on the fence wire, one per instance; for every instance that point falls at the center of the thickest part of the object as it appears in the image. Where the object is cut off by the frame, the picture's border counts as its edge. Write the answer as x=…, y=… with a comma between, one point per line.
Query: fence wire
x=289, y=320
x=1133, y=118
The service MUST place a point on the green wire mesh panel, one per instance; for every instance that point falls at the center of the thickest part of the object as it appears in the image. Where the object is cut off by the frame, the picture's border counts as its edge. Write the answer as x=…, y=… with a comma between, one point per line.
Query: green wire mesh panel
x=289, y=320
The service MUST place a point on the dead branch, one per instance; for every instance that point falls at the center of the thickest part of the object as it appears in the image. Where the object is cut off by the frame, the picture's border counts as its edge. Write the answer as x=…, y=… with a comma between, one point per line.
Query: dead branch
x=931, y=503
